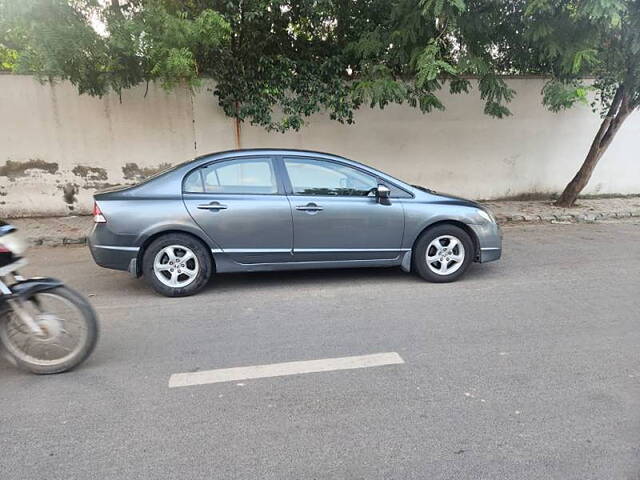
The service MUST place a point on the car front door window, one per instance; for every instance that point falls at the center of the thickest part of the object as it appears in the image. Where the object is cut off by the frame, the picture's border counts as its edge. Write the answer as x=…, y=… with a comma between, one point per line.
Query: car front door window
x=321, y=178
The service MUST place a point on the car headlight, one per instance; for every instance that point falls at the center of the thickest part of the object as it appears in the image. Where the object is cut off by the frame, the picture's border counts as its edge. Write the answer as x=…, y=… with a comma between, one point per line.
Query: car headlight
x=487, y=215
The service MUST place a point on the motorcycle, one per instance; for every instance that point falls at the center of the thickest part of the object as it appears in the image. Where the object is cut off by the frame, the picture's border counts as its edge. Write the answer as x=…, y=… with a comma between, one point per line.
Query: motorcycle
x=45, y=326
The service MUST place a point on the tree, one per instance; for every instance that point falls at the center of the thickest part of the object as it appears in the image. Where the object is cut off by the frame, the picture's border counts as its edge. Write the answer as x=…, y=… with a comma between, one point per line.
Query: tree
x=275, y=62
x=57, y=39
x=576, y=38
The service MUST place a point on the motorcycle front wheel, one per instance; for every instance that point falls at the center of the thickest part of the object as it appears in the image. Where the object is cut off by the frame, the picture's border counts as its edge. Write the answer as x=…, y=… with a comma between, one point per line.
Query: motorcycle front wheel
x=69, y=332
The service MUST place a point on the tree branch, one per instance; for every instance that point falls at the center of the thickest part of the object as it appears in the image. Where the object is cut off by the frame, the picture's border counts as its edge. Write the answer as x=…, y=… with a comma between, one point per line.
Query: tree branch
x=115, y=6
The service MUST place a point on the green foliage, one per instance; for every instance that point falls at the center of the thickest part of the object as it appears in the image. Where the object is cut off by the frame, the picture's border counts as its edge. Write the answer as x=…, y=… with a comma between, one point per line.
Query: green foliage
x=8, y=58
x=438, y=7
x=276, y=62
x=559, y=95
x=58, y=39
x=575, y=39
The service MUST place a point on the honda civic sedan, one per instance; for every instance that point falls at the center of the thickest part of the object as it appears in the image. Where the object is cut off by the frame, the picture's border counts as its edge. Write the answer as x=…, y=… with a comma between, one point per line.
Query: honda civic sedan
x=259, y=210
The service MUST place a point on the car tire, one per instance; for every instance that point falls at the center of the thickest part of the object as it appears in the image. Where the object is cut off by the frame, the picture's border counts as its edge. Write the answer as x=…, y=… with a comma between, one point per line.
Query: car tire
x=177, y=265
x=436, y=260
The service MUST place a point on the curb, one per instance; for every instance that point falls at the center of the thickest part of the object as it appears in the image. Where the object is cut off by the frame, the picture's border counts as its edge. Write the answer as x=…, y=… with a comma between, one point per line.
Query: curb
x=56, y=241
x=49, y=241
x=566, y=218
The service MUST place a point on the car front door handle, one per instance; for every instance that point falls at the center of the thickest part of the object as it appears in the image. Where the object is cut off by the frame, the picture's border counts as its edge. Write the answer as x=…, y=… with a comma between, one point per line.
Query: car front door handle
x=309, y=207
x=212, y=206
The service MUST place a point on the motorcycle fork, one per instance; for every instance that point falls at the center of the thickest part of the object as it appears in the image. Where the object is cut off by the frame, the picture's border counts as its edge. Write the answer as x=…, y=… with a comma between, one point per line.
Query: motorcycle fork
x=18, y=308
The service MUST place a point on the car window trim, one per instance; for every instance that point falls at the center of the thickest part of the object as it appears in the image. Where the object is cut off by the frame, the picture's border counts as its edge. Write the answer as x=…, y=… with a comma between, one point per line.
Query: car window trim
x=271, y=158
x=289, y=185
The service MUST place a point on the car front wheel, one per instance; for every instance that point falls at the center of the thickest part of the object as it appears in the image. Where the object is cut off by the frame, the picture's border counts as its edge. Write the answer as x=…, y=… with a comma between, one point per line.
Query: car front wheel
x=443, y=253
x=176, y=265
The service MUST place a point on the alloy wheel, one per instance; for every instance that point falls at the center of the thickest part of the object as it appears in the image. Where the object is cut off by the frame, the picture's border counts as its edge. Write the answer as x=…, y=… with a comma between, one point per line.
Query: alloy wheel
x=445, y=255
x=176, y=266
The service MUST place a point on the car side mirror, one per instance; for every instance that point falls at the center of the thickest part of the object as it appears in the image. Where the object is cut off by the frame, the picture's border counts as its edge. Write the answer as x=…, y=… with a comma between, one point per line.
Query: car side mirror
x=383, y=193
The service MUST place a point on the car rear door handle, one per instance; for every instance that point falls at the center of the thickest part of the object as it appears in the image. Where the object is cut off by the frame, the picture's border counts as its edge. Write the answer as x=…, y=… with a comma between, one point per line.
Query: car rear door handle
x=309, y=207
x=212, y=206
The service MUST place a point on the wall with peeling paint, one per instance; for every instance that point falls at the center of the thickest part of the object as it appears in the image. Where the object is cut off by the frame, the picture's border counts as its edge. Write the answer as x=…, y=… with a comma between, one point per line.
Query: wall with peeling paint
x=57, y=147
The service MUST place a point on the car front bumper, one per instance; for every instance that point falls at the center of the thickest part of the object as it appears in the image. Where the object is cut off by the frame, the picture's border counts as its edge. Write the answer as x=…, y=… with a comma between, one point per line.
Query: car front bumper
x=489, y=237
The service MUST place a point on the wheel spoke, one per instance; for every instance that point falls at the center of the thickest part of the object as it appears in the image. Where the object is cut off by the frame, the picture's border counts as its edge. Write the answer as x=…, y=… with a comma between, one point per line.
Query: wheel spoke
x=453, y=242
x=171, y=253
x=189, y=273
x=443, y=266
x=161, y=267
x=457, y=258
x=186, y=257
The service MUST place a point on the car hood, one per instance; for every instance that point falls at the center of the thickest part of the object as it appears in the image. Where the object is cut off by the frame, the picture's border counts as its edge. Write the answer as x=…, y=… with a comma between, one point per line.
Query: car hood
x=448, y=198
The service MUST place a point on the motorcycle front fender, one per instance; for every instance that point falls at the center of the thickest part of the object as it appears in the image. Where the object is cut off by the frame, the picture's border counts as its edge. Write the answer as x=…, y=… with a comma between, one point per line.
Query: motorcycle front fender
x=31, y=286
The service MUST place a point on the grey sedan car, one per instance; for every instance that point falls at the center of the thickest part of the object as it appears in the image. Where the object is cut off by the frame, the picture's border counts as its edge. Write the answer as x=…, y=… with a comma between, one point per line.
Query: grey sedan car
x=257, y=210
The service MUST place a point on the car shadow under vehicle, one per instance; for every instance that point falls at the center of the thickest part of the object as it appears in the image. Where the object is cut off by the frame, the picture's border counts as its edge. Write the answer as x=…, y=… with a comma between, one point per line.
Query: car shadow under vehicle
x=309, y=278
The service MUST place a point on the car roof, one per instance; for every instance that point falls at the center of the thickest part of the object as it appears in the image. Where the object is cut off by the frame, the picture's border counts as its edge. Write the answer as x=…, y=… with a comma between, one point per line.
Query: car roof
x=285, y=151
x=280, y=151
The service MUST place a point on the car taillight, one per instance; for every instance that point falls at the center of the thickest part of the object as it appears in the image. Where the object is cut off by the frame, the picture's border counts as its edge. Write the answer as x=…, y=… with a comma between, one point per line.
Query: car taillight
x=98, y=217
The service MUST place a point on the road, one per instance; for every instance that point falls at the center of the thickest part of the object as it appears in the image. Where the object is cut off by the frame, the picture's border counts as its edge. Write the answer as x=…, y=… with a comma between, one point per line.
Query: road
x=529, y=368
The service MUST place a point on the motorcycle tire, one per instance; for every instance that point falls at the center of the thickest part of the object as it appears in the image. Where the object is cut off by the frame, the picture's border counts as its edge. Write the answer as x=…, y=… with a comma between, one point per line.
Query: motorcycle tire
x=24, y=360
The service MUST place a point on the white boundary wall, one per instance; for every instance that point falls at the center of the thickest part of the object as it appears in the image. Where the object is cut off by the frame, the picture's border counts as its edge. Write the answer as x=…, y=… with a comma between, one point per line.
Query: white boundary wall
x=50, y=135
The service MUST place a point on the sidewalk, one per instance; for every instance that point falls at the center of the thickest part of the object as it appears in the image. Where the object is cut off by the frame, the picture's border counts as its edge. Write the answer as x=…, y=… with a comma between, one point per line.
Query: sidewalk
x=53, y=231
x=585, y=210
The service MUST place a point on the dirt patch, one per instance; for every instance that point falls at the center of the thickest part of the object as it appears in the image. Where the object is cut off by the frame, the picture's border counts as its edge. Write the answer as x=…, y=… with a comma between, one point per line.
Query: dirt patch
x=14, y=169
x=94, y=174
x=100, y=185
x=132, y=171
x=527, y=197
x=69, y=192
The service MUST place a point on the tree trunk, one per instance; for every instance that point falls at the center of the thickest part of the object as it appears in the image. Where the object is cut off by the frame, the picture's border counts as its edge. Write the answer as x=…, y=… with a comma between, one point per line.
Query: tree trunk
x=237, y=125
x=617, y=114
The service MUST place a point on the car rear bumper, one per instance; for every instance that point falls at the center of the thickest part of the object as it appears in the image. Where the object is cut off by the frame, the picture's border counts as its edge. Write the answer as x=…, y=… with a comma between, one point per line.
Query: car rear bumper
x=489, y=237
x=111, y=250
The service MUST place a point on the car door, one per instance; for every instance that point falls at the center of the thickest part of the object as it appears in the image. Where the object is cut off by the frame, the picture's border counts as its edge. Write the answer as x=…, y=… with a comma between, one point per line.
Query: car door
x=336, y=215
x=241, y=205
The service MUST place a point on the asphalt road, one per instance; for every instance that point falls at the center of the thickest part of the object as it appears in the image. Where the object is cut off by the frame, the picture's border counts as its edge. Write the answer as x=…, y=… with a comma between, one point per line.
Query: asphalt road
x=529, y=368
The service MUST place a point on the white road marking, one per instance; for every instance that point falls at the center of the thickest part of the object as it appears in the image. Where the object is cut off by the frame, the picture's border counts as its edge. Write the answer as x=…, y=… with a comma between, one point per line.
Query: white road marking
x=282, y=369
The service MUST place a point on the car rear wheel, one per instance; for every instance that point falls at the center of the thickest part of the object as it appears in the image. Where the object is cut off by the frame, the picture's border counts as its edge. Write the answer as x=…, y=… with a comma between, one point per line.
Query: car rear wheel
x=176, y=265
x=443, y=253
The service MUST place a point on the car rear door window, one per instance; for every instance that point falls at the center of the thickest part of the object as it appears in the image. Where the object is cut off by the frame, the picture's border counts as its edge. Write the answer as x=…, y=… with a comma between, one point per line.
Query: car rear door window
x=318, y=177
x=242, y=176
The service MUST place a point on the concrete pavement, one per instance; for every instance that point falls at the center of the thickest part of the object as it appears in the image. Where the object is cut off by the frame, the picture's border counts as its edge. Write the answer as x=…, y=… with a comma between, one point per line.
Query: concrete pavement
x=528, y=368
